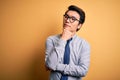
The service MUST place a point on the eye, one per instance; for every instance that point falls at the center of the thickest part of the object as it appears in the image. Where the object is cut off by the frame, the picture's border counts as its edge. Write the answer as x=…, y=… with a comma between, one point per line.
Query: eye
x=73, y=18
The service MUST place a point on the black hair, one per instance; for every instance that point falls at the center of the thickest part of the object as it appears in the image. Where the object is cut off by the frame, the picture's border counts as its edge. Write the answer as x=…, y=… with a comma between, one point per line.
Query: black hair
x=79, y=11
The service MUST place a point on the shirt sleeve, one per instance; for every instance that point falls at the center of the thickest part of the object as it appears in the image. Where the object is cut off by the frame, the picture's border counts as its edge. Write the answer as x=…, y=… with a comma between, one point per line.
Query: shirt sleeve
x=77, y=70
x=54, y=56
x=54, y=52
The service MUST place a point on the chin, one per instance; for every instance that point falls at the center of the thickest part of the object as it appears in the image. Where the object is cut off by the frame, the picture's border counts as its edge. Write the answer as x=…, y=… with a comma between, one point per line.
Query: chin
x=66, y=27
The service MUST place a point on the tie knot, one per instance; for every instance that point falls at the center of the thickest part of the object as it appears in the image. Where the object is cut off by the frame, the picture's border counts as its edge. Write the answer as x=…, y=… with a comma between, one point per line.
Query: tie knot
x=69, y=40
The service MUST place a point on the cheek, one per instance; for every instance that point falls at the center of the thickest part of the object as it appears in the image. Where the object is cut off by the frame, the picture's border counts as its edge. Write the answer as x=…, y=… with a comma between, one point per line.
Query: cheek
x=74, y=27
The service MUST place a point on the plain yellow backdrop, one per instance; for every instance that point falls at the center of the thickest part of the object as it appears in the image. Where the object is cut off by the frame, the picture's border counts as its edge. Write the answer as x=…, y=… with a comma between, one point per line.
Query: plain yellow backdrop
x=25, y=25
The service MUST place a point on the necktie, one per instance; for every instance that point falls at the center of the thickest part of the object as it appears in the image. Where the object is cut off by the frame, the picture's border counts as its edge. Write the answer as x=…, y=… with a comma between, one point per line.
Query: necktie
x=66, y=58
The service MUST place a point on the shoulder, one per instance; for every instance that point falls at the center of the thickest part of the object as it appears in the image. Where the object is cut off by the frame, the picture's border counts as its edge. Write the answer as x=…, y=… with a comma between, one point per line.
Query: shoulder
x=82, y=41
x=53, y=37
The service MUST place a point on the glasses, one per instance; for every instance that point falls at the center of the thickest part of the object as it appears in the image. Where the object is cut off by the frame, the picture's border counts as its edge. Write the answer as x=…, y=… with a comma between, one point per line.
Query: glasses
x=71, y=19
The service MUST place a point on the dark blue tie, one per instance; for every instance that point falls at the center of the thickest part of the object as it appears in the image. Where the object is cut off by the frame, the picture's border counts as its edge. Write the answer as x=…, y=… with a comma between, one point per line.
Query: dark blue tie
x=66, y=58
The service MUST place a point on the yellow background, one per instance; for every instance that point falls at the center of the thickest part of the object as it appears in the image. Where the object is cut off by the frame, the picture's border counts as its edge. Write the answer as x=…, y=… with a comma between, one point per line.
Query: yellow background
x=25, y=25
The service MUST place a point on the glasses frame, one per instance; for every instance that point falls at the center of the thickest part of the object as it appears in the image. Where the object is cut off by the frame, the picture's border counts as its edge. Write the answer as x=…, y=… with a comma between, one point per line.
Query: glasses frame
x=72, y=19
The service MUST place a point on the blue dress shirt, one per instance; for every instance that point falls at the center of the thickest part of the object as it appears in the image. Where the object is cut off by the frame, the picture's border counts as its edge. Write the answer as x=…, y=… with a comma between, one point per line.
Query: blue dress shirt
x=79, y=57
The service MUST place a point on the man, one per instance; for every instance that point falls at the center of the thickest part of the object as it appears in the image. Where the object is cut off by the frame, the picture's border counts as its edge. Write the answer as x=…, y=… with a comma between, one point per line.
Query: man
x=67, y=55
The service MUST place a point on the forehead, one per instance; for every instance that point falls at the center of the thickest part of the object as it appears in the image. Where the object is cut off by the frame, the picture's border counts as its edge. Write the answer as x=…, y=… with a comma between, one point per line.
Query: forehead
x=73, y=13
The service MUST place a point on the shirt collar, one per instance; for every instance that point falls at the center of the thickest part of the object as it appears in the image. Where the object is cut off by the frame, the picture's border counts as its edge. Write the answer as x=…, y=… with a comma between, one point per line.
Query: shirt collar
x=74, y=36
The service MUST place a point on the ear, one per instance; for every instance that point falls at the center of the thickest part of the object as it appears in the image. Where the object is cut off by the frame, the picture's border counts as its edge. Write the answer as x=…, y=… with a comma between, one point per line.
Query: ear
x=79, y=26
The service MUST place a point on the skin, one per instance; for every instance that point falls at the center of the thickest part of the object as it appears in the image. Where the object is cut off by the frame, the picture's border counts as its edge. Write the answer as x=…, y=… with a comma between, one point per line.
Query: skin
x=69, y=29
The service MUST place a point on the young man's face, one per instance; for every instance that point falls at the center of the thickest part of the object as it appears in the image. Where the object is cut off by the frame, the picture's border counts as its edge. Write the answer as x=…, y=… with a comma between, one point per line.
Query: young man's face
x=71, y=21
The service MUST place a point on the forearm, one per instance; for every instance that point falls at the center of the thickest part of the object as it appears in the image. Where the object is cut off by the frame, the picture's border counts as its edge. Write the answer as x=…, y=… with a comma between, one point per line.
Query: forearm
x=73, y=70
x=55, y=54
x=79, y=69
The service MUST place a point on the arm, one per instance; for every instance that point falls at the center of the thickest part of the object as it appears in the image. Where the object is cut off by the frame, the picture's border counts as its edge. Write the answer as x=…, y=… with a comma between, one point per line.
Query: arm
x=54, y=52
x=77, y=70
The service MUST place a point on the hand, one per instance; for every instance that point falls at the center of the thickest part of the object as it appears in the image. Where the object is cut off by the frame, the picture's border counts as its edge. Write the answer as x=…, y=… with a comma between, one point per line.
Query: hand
x=66, y=34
